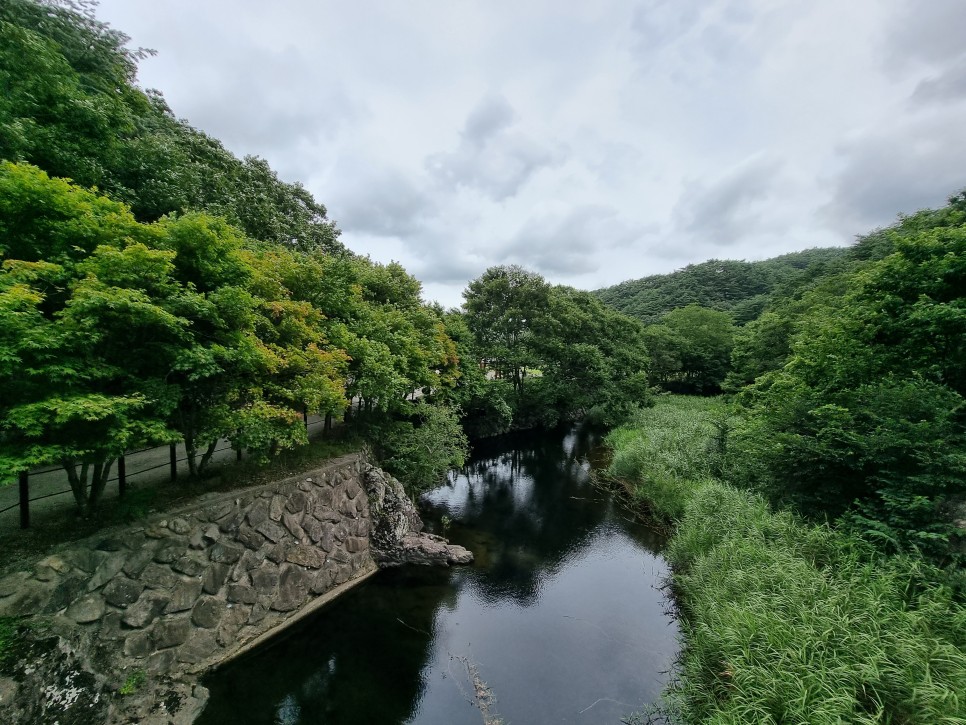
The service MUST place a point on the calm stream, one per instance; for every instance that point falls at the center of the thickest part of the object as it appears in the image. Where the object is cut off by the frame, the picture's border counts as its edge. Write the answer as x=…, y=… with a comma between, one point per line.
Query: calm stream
x=562, y=618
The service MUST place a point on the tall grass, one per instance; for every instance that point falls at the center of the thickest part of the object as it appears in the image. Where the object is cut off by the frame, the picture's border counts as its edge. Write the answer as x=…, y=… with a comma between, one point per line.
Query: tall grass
x=784, y=621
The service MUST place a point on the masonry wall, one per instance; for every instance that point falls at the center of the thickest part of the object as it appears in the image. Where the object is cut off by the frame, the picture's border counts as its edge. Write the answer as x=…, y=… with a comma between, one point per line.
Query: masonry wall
x=187, y=591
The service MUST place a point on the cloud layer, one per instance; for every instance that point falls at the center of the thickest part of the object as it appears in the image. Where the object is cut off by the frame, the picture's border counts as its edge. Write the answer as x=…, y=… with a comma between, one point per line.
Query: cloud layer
x=593, y=142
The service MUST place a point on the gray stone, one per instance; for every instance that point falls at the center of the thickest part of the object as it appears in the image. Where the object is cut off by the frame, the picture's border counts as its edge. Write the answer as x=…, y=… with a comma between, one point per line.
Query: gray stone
x=139, y=559
x=265, y=578
x=215, y=578
x=122, y=591
x=84, y=559
x=207, y=612
x=307, y=556
x=110, y=629
x=222, y=553
x=312, y=528
x=197, y=540
x=355, y=544
x=293, y=588
x=272, y=531
x=359, y=527
x=277, y=553
x=219, y=511
x=189, y=566
x=11, y=584
x=170, y=551
x=323, y=580
x=212, y=533
x=29, y=599
x=352, y=488
x=296, y=502
x=241, y=593
x=112, y=543
x=249, y=560
x=249, y=537
x=156, y=576
x=65, y=592
x=232, y=623
x=171, y=632
x=276, y=507
x=199, y=648
x=259, y=612
x=291, y=522
x=160, y=663
x=145, y=610
x=109, y=568
x=258, y=513
x=231, y=523
x=179, y=526
x=138, y=645
x=184, y=596
x=327, y=515
x=86, y=610
x=326, y=541
x=8, y=690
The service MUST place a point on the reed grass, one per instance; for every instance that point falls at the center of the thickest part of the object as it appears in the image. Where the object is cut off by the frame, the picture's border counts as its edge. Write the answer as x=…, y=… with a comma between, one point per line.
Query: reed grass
x=785, y=621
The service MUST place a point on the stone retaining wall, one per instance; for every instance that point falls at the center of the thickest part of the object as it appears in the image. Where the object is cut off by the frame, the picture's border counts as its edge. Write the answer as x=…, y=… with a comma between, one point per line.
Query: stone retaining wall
x=153, y=605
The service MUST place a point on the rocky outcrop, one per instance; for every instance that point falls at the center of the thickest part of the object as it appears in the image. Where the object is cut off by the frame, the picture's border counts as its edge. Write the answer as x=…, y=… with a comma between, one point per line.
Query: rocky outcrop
x=397, y=536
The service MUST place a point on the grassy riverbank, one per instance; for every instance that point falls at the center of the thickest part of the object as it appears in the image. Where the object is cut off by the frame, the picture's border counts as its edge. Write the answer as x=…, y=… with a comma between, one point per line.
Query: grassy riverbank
x=785, y=621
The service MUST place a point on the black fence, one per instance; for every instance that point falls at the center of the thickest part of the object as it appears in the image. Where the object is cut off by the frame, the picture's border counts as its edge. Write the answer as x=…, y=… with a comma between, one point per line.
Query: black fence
x=121, y=475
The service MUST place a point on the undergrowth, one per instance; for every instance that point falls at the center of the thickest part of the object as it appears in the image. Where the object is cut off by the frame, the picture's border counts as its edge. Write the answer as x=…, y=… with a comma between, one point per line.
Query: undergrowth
x=786, y=621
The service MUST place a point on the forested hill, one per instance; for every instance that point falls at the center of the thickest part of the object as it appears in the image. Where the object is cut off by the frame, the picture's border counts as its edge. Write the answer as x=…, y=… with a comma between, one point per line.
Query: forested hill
x=742, y=288
x=70, y=105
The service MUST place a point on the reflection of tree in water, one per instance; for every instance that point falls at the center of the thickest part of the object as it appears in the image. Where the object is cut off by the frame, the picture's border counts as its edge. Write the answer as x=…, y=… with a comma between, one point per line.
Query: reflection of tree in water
x=337, y=667
x=534, y=502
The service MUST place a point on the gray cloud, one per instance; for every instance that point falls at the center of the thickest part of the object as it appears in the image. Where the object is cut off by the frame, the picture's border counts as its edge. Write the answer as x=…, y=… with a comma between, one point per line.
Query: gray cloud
x=379, y=201
x=568, y=241
x=906, y=168
x=492, y=158
x=731, y=207
x=947, y=86
x=925, y=32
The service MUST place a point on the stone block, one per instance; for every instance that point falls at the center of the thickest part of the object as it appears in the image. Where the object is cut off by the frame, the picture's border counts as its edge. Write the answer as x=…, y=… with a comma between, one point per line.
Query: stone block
x=158, y=576
x=296, y=502
x=171, y=551
x=355, y=544
x=110, y=629
x=293, y=588
x=248, y=537
x=121, y=591
x=217, y=512
x=190, y=565
x=272, y=531
x=161, y=663
x=179, y=526
x=171, y=632
x=277, y=553
x=312, y=528
x=207, y=612
x=139, y=559
x=138, y=645
x=111, y=543
x=199, y=648
x=305, y=555
x=86, y=610
x=145, y=610
x=109, y=568
x=258, y=512
x=322, y=581
x=215, y=578
x=291, y=522
x=184, y=596
x=241, y=593
x=222, y=553
x=276, y=507
x=65, y=592
x=265, y=578
x=232, y=623
x=258, y=614
x=352, y=488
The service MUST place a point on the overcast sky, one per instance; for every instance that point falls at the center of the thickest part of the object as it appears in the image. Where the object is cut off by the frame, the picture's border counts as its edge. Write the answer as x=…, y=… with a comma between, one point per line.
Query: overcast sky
x=592, y=142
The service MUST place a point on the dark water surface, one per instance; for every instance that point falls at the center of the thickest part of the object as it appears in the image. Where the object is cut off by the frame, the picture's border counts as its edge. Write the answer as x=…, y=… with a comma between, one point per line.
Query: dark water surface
x=561, y=619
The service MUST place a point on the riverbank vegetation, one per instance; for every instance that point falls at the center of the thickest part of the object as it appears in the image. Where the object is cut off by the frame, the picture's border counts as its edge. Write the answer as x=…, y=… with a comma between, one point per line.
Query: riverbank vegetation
x=785, y=620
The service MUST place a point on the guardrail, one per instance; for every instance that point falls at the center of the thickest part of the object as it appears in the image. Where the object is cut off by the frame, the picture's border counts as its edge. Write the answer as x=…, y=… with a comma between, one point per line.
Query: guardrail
x=122, y=473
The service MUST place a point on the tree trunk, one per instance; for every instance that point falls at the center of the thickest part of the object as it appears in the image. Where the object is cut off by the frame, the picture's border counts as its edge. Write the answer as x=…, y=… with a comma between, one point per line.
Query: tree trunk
x=191, y=451
x=206, y=456
x=78, y=484
x=102, y=472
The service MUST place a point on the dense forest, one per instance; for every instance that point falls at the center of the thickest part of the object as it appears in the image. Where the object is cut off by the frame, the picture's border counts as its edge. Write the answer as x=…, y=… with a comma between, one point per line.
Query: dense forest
x=155, y=288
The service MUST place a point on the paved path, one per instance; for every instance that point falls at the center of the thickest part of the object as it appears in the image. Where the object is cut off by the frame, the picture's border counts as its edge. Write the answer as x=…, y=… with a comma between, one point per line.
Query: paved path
x=50, y=489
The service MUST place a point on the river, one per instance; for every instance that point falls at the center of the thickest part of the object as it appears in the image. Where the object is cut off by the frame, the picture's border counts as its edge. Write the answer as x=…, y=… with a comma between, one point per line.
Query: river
x=562, y=619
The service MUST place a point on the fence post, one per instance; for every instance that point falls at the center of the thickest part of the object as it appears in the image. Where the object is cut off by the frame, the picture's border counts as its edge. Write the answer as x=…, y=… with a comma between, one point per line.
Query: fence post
x=173, y=455
x=305, y=416
x=121, y=477
x=24, y=479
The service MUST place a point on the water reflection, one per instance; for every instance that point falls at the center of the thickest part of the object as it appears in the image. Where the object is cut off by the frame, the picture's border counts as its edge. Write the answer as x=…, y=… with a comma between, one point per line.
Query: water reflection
x=561, y=617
